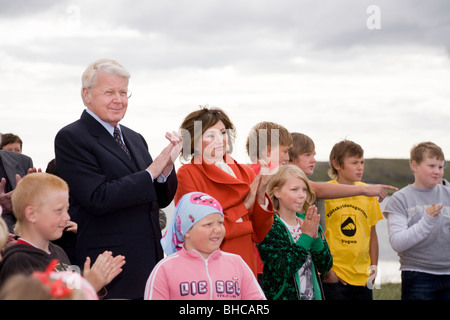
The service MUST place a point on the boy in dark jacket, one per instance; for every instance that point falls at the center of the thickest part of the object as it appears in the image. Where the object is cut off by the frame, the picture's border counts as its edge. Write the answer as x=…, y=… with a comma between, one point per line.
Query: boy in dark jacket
x=40, y=203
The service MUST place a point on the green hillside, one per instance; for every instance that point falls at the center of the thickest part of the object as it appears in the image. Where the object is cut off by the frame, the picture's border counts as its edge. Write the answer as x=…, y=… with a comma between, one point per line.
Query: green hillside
x=394, y=172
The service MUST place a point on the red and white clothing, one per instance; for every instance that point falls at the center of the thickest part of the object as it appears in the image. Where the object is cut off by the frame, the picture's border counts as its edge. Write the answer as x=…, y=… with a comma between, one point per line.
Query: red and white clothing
x=243, y=227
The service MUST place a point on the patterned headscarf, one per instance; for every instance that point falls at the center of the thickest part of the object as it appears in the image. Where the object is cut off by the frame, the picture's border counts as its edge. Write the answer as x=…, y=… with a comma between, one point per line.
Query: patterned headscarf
x=191, y=208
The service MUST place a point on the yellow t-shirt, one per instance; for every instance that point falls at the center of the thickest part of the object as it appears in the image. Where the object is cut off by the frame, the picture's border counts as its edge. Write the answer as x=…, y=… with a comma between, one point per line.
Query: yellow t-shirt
x=348, y=225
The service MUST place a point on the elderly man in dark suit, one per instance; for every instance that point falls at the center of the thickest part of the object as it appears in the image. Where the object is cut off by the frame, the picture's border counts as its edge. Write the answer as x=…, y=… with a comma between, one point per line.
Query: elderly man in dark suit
x=116, y=188
x=13, y=166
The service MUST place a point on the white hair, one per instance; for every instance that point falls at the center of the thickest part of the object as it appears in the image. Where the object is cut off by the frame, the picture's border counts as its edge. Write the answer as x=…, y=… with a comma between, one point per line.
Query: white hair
x=109, y=66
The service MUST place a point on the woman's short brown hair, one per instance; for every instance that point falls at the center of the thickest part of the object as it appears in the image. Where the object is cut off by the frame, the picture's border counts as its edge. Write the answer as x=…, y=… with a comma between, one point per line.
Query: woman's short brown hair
x=206, y=117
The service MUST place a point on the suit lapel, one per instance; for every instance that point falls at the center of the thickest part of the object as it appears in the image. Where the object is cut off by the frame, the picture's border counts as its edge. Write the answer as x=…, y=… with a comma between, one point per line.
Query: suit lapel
x=106, y=140
x=230, y=191
x=238, y=170
x=11, y=168
x=219, y=177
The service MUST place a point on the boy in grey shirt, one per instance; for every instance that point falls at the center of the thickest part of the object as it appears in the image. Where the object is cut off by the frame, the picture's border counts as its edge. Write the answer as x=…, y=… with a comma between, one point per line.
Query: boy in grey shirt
x=418, y=218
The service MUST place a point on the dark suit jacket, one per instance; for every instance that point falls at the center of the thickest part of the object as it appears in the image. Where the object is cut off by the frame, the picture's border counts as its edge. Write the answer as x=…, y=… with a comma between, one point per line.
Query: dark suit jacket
x=113, y=200
x=13, y=163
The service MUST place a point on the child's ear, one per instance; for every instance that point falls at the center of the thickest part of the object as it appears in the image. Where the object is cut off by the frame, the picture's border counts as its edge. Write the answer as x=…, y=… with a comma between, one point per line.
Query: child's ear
x=413, y=165
x=335, y=165
x=276, y=193
x=30, y=214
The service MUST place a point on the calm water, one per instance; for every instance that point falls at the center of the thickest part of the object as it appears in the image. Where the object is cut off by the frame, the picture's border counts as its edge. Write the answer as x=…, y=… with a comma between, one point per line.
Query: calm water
x=388, y=264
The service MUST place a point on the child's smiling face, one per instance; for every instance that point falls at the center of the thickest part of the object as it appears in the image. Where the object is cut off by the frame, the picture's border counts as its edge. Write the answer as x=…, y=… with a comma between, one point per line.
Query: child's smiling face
x=51, y=216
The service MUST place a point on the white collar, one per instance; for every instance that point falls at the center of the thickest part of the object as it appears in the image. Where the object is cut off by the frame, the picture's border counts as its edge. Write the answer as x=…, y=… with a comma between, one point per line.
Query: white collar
x=105, y=124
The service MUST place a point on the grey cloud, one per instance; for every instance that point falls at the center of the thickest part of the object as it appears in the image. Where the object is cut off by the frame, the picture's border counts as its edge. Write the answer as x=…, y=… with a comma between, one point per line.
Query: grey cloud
x=250, y=35
x=261, y=34
x=24, y=7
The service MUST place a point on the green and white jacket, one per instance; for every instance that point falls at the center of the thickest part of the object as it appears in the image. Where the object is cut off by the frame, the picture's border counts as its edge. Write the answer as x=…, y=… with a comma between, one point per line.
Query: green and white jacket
x=283, y=258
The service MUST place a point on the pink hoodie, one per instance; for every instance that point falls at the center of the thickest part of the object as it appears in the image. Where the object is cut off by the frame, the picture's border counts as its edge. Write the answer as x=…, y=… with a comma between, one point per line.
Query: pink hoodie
x=185, y=275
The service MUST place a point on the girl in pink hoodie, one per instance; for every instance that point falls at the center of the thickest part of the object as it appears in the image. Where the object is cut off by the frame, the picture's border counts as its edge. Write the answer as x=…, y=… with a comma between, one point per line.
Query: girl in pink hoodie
x=195, y=268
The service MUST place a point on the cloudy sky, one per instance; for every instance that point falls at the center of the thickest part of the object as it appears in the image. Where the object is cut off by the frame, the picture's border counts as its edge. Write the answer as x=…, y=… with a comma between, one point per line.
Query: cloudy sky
x=329, y=69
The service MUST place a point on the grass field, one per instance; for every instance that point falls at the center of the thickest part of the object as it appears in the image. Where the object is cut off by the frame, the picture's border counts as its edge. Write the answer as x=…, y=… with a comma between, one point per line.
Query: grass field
x=388, y=291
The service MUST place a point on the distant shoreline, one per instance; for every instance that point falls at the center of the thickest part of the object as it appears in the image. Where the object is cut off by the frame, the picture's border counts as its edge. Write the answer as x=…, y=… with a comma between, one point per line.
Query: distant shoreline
x=394, y=172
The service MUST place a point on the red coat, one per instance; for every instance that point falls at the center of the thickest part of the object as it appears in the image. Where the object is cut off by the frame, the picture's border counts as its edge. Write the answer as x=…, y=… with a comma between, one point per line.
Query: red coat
x=253, y=224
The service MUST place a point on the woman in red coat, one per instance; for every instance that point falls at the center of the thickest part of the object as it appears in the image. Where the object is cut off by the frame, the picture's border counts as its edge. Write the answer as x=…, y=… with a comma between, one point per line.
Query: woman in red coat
x=207, y=140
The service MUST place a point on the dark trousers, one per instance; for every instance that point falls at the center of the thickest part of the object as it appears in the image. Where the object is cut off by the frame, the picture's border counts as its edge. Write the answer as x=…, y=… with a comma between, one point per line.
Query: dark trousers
x=425, y=286
x=339, y=291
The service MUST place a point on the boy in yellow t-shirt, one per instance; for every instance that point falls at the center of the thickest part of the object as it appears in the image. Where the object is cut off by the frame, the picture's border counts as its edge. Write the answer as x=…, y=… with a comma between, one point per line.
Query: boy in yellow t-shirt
x=350, y=229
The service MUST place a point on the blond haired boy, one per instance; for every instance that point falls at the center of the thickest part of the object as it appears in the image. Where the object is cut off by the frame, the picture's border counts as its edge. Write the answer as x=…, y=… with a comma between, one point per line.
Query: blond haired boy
x=40, y=204
x=418, y=218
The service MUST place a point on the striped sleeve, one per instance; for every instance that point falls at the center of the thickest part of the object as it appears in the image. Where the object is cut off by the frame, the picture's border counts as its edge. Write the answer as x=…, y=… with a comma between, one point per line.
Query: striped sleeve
x=157, y=287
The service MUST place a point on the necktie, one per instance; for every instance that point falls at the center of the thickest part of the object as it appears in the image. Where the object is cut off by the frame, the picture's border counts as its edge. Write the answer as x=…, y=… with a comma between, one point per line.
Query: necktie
x=120, y=142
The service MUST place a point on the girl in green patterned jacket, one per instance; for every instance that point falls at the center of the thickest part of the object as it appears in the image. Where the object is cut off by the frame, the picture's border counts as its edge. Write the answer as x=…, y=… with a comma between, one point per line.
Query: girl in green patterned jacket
x=295, y=249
